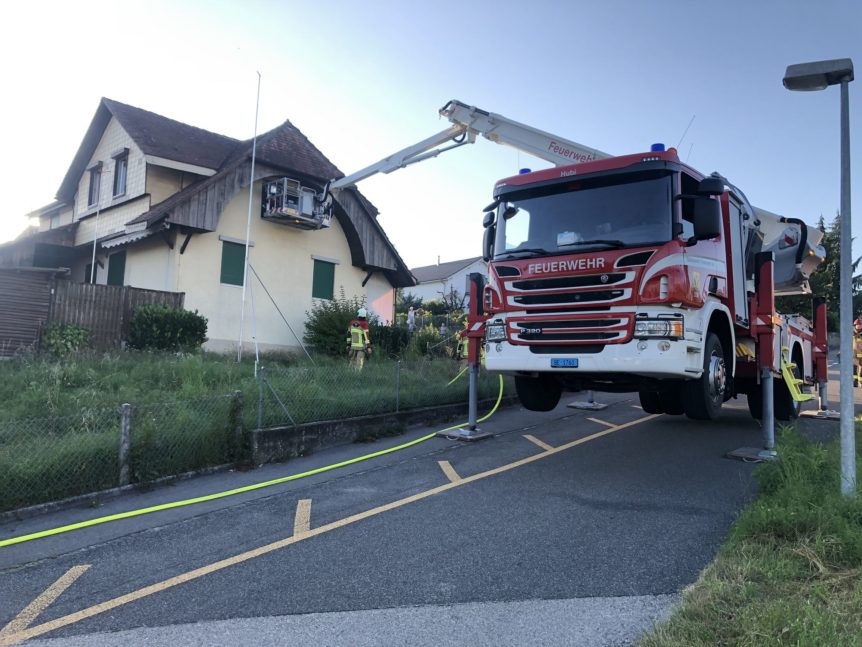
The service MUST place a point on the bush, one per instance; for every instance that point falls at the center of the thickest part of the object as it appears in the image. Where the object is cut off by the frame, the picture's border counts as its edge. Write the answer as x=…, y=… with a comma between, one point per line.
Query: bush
x=388, y=340
x=64, y=340
x=159, y=327
x=326, y=325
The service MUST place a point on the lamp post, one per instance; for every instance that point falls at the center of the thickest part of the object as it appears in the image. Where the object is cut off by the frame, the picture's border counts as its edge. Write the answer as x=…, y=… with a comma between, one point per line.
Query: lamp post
x=818, y=76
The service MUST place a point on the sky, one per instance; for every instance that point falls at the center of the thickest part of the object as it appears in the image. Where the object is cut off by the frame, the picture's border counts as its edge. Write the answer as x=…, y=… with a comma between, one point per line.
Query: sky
x=364, y=79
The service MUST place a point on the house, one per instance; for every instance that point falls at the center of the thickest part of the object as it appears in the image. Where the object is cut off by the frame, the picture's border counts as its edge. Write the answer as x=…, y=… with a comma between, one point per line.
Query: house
x=437, y=281
x=154, y=203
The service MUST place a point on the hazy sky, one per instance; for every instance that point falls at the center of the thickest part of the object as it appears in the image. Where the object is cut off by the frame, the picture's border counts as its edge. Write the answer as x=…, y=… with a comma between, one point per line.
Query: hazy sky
x=364, y=79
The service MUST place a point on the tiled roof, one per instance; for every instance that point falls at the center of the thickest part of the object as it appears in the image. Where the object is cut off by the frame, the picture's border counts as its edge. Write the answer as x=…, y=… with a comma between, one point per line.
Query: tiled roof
x=162, y=137
x=443, y=270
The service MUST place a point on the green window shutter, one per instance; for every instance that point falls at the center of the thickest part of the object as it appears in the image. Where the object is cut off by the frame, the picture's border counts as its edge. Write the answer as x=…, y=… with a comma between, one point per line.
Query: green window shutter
x=117, y=268
x=232, y=262
x=323, y=282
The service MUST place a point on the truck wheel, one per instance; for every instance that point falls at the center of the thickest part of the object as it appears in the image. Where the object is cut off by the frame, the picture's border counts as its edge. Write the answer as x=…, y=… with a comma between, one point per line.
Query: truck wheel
x=538, y=393
x=755, y=401
x=786, y=408
x=704, y=396
x=650, y=401
x=671, y=401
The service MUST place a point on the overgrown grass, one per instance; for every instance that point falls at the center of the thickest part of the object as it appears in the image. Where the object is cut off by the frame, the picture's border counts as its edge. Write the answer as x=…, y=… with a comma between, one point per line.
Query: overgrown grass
x=790, y=572
x=60, y=421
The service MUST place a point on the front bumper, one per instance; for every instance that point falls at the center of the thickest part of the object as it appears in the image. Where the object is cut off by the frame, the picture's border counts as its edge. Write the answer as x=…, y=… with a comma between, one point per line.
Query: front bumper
x=681, y=360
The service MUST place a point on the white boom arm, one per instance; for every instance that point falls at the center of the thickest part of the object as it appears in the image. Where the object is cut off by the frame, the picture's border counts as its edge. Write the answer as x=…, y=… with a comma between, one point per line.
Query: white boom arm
x=467, y=122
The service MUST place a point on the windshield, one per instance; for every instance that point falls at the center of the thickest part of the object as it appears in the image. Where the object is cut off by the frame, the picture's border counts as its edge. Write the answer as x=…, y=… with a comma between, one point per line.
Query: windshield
x=608, y=212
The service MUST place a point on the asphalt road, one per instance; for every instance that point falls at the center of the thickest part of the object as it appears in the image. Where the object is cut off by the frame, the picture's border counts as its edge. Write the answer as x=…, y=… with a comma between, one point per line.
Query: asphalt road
x=583, y=533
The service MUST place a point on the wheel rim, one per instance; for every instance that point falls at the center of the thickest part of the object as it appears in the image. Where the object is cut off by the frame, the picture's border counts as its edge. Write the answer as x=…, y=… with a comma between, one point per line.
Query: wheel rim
x=717, y=378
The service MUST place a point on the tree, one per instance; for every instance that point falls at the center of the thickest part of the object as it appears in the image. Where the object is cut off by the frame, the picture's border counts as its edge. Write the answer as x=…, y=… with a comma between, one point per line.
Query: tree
x=404, y=300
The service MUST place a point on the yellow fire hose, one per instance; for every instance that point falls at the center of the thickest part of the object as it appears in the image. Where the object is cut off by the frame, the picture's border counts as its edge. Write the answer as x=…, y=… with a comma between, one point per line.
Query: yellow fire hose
x=240, y=490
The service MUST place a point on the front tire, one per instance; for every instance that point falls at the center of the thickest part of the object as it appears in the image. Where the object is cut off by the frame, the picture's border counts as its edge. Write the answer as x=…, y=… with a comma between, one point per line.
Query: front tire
x=705, y=395
x=650, y=401
x=538, y=393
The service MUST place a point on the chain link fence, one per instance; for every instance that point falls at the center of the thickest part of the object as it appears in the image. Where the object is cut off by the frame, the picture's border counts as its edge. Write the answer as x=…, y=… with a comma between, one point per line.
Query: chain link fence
x=303, y=393
x=48, y=459
x=45, y=459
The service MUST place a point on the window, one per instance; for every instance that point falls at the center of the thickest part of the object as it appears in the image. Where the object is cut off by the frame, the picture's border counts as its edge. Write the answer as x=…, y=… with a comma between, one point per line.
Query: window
x=117, y=268
x=688, y=187
x=323, y=281
x=232, y=263
x=95, y=182
x=121, y=169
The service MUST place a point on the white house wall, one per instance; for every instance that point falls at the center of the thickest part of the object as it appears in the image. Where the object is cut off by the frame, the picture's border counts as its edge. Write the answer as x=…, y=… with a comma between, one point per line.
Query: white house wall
x=283, y=257
x=114, y=139
x=110, y=222
x=150, y=265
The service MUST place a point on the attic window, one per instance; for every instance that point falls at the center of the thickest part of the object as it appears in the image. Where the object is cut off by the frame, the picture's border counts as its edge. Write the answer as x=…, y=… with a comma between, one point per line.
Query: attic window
x=95, y=184
x=121, y=170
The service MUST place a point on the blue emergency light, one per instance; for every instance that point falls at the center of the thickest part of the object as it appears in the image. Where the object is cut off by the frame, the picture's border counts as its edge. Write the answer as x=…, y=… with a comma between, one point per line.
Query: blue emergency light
x=657, y=148
x=524, y=170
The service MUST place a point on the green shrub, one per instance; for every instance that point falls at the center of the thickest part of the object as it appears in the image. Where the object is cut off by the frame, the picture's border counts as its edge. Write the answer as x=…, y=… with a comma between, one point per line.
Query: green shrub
x=388, y=341
x=64, y=340
x=326, y=325
x=159, y=327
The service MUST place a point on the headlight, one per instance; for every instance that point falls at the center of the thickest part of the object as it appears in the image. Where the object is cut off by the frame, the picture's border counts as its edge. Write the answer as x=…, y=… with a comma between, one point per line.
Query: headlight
x=495, y=332
x=669, y=328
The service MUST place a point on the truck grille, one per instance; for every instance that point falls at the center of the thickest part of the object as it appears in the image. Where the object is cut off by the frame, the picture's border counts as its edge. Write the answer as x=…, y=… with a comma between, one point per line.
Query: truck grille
x=573, y=330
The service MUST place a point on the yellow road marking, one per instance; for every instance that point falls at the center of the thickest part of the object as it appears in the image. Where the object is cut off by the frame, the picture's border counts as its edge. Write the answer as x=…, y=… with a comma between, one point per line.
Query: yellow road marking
x=302, y=521
x=540, y=443
x=197, y=573
x=602, y=422
x=449, y=471
x=37, y=606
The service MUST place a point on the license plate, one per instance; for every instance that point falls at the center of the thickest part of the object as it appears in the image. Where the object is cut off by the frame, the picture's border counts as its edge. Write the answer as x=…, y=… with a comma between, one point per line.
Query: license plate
x=564, y=362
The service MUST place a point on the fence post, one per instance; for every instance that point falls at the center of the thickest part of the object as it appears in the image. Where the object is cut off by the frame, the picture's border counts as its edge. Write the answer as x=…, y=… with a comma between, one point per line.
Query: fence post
x=260, y=382
x=125, y=441
x=237, y=418
x=397, y=385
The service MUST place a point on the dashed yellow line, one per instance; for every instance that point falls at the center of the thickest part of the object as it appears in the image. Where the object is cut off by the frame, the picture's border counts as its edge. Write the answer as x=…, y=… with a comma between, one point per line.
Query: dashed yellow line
x=31, y=611
x=602, y=422
x=302, y=520
x=449, y=471
x=540, y=443
x=197, y=573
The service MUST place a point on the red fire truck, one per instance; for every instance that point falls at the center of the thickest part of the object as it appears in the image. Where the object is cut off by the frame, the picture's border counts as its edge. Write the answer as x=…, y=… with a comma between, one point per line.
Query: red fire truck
x=633, y=273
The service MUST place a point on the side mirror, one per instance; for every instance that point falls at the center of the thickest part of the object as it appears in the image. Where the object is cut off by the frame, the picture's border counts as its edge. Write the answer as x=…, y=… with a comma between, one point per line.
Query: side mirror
x=707, y=218
x=488, y=220
x=710, y=186
x=488, y=242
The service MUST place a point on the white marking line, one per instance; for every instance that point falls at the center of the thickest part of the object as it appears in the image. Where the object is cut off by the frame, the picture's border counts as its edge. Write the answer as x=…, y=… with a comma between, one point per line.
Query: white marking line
x=302, y=521
x=37, y=606
x=449, y=471
x=540, y=443
x=602, y=422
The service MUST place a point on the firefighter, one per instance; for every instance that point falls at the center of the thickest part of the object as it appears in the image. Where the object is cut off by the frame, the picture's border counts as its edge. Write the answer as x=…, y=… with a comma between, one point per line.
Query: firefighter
x=463, y=349
x=358, y=340
x=857, y=352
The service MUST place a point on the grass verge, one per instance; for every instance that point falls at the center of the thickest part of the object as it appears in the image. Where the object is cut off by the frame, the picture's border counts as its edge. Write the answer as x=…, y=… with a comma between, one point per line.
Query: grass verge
x=790, y=572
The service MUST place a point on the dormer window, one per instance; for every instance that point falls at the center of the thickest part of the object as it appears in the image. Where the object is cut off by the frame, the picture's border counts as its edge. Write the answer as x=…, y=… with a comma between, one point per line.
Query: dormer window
x=95, y=182
x=121, y=171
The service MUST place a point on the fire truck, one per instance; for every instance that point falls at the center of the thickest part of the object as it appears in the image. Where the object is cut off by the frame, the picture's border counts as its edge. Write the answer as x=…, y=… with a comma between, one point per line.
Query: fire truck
x=633, y=273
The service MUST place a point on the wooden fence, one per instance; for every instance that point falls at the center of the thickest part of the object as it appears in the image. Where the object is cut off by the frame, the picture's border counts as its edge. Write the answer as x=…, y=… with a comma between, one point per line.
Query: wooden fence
x=105, y=310
x=25, y=301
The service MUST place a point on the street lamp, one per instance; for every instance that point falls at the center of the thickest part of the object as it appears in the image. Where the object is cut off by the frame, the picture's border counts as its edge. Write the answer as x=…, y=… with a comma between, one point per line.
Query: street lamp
x=818, y=76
